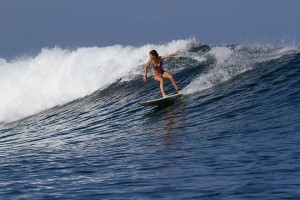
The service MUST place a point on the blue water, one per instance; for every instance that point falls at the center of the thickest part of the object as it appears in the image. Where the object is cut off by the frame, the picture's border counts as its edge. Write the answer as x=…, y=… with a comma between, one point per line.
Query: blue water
x=235, y=133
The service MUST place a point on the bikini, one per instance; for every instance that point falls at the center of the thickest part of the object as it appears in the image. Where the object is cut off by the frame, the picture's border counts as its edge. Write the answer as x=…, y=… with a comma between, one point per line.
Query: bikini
x=159, y=69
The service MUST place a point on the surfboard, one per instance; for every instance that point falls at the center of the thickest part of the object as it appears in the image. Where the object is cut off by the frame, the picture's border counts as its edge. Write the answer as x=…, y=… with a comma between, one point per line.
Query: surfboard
x=160, y=101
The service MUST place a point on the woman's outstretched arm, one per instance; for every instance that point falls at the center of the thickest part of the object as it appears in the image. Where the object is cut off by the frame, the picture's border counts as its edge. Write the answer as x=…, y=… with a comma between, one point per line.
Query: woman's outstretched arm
x=170, y=55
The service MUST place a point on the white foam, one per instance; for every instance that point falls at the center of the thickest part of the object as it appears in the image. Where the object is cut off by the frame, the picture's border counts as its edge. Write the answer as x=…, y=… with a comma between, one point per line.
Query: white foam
x=222, y=54
x=232, y=61
x=57, y=76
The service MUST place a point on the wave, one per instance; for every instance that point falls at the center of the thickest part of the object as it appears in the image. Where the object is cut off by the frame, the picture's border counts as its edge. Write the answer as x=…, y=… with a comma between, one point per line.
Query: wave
x=57, y=76
x=230, y=61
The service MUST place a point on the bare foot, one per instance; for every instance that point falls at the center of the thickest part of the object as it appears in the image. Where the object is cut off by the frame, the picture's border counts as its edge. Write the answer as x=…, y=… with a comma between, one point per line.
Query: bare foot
x=165, y=96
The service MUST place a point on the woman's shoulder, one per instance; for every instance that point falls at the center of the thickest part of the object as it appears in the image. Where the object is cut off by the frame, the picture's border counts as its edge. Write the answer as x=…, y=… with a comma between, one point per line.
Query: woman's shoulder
x=149, y=62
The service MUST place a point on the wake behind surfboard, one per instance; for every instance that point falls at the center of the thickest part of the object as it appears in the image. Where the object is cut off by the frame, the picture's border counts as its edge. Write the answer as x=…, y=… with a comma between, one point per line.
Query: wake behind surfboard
x=160, y=101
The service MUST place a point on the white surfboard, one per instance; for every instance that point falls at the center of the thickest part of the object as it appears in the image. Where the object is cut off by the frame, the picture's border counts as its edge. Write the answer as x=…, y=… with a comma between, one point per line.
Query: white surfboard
x=160, y=101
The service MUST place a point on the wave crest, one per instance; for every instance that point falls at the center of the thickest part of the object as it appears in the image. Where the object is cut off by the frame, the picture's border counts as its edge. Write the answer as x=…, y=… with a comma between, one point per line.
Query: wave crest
x=56, y=76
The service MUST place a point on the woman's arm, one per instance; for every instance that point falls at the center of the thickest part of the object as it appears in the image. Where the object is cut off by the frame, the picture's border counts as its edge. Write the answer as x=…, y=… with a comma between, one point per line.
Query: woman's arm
x=170, y=55
x=146, y=69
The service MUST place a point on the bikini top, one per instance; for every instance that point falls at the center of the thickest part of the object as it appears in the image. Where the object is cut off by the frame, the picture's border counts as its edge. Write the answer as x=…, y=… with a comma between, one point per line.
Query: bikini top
x=152, y=66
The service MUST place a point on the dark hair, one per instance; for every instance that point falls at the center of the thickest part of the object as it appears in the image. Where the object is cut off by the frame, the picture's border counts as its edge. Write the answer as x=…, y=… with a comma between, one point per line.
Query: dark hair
x=153, y=53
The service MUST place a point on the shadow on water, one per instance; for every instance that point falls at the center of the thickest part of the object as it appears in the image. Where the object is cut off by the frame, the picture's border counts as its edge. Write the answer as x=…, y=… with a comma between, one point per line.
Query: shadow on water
x=169, y=115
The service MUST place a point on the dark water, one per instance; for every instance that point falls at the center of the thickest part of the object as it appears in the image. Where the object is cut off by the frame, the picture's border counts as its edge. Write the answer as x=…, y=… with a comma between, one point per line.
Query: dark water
x=235, y=134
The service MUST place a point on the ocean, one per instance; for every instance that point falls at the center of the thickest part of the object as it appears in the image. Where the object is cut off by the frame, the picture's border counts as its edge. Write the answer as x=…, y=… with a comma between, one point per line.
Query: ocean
x=71, y=126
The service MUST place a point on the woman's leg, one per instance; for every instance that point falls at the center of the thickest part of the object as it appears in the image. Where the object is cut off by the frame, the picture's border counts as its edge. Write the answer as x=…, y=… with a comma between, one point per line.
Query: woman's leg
x=161, y=84
x=171, y=77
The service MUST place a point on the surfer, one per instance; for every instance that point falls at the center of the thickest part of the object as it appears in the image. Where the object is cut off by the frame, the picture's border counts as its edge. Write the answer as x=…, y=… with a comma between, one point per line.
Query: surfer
x=155, y=63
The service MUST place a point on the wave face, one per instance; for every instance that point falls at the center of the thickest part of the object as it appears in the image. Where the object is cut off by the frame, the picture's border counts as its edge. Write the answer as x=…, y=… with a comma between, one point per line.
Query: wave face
x=71, y=127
